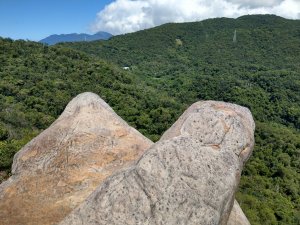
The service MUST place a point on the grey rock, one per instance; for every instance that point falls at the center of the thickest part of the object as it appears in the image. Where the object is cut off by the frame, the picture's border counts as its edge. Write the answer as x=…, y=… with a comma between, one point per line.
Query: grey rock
x=237, y=216
x=189, y=177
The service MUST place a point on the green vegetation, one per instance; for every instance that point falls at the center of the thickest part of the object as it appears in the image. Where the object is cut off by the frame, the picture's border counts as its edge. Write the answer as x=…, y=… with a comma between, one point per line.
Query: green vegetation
x=259, y=69
x=172, y=66
x=38, y=81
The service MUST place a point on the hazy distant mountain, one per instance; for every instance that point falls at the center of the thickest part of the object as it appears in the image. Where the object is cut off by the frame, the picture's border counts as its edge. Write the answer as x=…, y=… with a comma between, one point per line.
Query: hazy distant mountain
x=57, y=38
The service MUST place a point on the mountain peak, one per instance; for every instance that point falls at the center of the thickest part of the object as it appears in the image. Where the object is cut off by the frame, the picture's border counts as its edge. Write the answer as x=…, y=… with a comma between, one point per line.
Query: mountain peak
x=74, y=37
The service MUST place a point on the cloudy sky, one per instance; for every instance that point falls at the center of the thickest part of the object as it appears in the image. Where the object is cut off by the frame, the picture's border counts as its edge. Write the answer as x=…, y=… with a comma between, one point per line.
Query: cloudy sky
x=35, y=19
x=123, y=16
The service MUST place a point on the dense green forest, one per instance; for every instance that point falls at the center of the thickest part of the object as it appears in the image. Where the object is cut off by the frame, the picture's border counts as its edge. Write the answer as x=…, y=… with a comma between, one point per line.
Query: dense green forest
x=38, y=81
x=252, y=61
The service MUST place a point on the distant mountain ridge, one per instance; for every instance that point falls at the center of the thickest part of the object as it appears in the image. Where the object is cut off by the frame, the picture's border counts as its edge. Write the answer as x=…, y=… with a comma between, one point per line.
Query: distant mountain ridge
x=74, y=37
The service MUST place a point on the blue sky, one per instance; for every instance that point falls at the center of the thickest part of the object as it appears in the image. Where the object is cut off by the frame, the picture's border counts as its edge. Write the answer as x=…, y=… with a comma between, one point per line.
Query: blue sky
x=34, y=20
x=37, y=19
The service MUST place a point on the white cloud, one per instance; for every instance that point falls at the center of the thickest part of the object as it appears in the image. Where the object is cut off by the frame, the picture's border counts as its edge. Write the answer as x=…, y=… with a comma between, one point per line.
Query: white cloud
x=256, y=3
x=124, y=16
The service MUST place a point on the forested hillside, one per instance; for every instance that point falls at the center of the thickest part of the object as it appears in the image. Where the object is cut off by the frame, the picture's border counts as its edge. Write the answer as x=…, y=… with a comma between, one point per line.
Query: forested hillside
x=252, y=61
x=38, y=81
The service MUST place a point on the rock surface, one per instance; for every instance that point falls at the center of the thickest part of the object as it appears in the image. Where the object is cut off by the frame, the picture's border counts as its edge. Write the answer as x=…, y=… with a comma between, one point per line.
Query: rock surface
x=237, y=216
x=60, y=168
x=189, y=177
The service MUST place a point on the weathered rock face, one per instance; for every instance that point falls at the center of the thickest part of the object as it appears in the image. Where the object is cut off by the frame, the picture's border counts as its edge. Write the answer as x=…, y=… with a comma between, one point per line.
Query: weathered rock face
x=58, y=169
x=188, y=177
x=237, y=216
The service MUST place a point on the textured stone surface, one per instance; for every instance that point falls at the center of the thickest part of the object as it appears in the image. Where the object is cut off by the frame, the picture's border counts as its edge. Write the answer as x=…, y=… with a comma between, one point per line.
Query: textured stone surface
x=188, y=177
x=237, y=216
x=58, y=169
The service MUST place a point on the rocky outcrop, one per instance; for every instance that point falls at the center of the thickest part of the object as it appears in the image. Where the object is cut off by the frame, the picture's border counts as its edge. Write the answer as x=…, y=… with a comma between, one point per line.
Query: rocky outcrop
x=61, y=167
x=237, y=216
x=188, y=177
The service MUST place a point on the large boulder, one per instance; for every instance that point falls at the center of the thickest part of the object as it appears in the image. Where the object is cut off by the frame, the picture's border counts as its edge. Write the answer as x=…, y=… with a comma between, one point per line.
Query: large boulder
x=237, y=216
x=61, y=167
x=189, y=177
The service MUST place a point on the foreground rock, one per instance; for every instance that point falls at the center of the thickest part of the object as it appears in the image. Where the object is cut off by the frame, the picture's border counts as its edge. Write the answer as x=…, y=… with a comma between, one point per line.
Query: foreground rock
x=188, y=177
x=57, y=170
x=237, y=217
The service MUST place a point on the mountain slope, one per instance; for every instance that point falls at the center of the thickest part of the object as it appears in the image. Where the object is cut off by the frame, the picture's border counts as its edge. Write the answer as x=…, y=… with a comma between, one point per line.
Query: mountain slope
x=260, y=70
x=202, y=40
x=54, y=39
